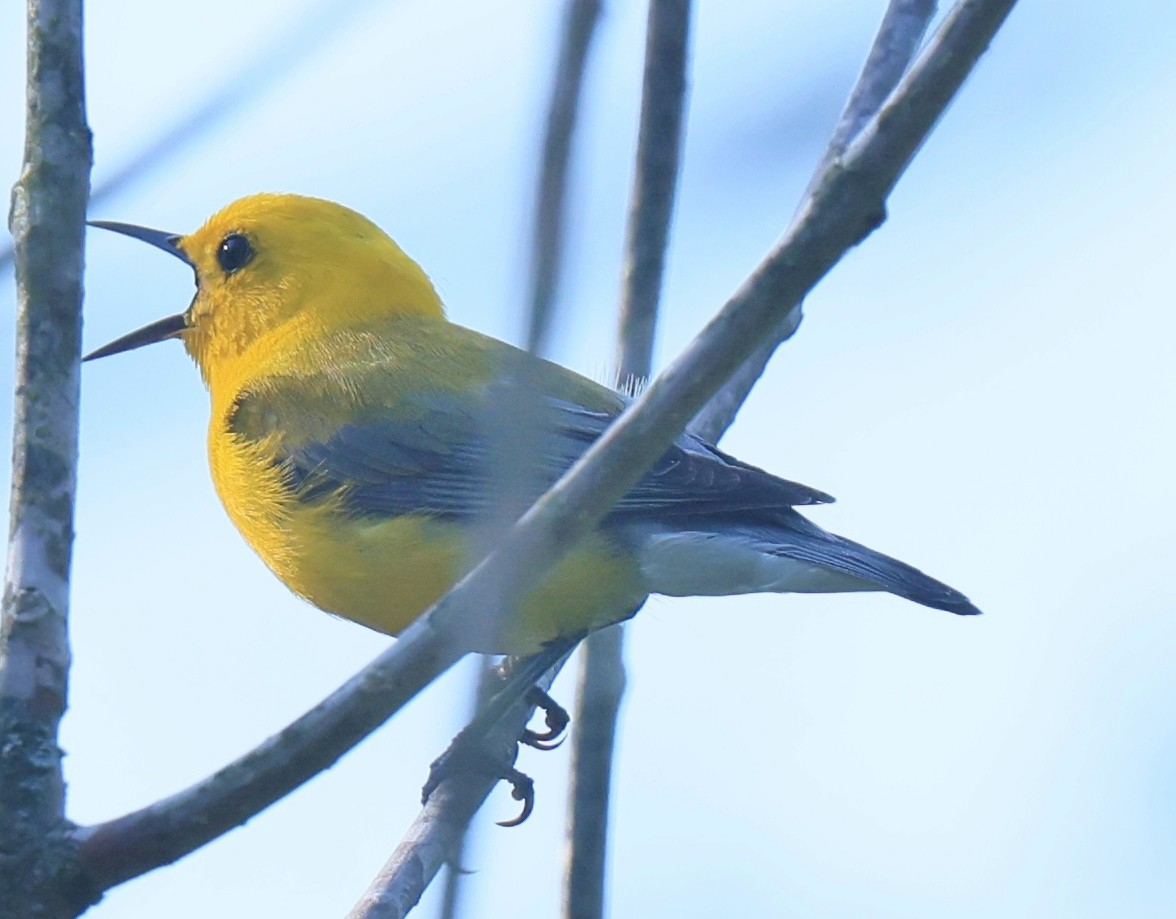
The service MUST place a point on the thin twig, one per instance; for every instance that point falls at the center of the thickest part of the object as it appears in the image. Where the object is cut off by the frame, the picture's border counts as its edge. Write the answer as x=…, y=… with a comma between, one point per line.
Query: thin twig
x=599, y=691
x=454, y=881
x=903, y=26
x=659, y=145
x=547, y=242
x=47, y=223
x=897, y=41
x=602, y=678
x=547, y=251
x=436, y=834
x=845, y=206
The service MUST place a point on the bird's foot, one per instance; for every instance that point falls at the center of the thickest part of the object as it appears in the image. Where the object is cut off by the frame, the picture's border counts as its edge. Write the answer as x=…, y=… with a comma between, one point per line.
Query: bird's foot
x=555, y=716
x=467, y=755
x=472, y=753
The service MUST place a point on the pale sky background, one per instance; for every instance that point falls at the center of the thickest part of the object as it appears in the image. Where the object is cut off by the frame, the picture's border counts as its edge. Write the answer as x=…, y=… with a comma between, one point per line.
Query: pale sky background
x=986, y=385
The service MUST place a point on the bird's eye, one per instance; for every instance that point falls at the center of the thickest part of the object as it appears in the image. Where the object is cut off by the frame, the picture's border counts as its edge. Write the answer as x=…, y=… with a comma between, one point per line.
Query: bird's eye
x=234, y=252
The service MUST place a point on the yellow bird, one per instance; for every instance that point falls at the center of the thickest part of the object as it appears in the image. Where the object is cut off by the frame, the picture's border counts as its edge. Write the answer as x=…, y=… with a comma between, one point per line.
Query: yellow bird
x=355, y=432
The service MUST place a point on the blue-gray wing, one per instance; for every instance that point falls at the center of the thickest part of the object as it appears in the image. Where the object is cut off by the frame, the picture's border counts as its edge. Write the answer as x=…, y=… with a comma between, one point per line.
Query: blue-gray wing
x=436, y=456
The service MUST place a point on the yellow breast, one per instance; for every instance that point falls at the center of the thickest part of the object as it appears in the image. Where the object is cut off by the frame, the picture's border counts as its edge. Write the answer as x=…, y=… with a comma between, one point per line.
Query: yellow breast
x=383, y=572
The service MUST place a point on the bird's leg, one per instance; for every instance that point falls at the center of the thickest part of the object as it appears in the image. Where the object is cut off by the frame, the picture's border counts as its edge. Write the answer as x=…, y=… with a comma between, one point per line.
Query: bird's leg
x=555, y=715
x=472, y=751
x=467, y=754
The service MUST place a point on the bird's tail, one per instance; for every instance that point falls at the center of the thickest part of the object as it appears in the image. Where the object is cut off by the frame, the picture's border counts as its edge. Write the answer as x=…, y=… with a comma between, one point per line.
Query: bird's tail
x=792, y=555
x=879, y=571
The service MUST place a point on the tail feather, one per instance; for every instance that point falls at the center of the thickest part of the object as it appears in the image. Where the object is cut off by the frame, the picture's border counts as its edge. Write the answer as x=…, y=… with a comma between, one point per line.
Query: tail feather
x=888, y=574
x=789, y=554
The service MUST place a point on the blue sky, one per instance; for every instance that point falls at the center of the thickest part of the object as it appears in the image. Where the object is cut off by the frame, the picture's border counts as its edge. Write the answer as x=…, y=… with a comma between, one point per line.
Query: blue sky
x=986, y=385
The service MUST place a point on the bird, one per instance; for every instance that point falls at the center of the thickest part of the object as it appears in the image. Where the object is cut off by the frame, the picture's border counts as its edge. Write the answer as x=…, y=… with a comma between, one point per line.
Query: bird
x=356, y=434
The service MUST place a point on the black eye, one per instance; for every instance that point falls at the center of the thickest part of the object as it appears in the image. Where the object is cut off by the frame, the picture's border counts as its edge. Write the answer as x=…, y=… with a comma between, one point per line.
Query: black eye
x=234, y=252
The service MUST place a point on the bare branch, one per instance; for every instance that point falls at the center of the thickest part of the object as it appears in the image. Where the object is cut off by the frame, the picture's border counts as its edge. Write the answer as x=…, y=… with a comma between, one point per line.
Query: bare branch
x=547, y=251
x=547, y=243
x=159, y=834
x=47, y=223
x=454, y=882
x=659, y=144
x=903, y=26
x=846, y=205
x=602, y=677
x=902, y=29
x=435, y=836
x=598, y=700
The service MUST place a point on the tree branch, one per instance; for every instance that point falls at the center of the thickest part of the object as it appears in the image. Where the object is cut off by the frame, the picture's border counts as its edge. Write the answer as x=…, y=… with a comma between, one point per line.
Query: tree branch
x=128, y=846
x=897, y=41
x=547, y=242
x=578, y=28
x=47, y=223
x=602, y=677
x=846, y=205
x=436, y=834
x=903, y=26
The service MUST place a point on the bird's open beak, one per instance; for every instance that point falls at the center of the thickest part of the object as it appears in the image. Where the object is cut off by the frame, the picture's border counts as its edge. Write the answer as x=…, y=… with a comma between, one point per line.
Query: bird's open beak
x=172, y=326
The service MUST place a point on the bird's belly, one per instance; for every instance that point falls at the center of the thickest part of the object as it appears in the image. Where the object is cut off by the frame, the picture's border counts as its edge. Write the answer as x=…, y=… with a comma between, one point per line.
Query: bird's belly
x=384, y=573
x=380, y=573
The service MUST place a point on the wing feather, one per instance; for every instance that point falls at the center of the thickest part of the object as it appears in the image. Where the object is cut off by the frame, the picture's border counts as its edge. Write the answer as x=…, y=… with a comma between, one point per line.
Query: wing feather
x=431, y=453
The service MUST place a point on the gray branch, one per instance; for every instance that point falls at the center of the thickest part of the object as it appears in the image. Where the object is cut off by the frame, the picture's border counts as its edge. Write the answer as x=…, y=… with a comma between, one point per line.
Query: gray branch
x=435, y=836
x=845, y=206
x=897, y=41
x=602, y=677
x=47, y=223
x=547, y=242
x=518, y=434
x=659, y=146
x=847, y=203
x=903, y=26
x=165, y=831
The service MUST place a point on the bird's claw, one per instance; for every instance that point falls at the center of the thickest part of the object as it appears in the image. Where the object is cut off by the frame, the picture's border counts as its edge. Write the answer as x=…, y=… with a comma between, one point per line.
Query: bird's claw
x=522, y=788
x=466, y=754
x=555, y=716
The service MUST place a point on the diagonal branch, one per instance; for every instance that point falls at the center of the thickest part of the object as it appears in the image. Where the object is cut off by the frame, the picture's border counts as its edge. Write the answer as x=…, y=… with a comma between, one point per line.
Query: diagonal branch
x=903, y=26
x=436, y=834
x=846, y=204
x=897, y=41
x=848, y=198
x=165, y=831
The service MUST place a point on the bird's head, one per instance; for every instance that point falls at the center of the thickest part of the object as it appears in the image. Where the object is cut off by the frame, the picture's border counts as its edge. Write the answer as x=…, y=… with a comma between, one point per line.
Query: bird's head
x=271, y=264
